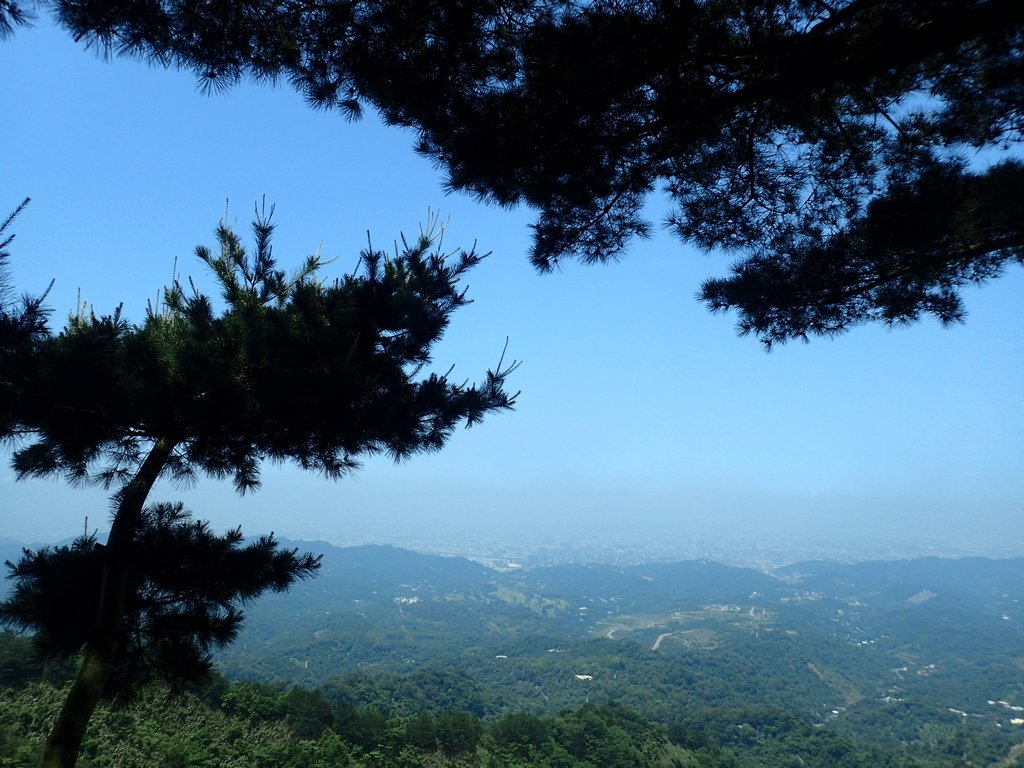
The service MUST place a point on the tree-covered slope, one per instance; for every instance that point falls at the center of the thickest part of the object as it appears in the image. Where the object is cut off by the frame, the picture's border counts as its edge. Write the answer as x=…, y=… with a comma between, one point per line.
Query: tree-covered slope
x=888, y=653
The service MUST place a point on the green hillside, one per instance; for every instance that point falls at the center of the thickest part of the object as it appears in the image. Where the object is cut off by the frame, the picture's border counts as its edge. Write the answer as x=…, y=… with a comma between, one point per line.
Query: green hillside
x=407, y=659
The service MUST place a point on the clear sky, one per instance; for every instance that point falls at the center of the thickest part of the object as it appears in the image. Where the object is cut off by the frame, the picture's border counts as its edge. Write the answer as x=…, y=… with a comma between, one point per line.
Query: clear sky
x=639, y=410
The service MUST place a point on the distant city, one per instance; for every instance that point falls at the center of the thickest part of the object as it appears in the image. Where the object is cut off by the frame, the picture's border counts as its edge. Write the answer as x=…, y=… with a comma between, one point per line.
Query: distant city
x=763, y=551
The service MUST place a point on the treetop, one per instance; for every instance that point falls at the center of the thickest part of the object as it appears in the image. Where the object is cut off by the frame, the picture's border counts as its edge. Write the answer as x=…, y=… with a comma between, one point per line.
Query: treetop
x=286, y=368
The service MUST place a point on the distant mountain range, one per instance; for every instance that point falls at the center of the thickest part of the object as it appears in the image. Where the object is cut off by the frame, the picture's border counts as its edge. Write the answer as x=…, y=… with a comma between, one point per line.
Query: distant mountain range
x=381, y=572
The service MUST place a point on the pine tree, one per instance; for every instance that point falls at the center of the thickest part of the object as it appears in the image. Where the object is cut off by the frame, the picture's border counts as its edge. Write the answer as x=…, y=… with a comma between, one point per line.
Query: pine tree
x=794, y=133
x=286, y=368
x=186, y=587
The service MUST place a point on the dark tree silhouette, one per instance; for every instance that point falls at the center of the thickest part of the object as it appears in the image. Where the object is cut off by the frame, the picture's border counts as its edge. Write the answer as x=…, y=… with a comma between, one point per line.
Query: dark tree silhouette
x=186, y=586
x=285, y=368
x=852, y=154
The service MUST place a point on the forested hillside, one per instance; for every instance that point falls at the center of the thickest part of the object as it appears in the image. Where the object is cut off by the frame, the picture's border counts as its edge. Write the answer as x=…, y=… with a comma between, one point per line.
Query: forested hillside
x=887, y=654
x=397, y=658
x=250, y=724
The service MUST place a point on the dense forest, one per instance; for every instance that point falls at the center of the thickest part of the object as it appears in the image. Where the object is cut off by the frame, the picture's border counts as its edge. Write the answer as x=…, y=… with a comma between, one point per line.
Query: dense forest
x=393, y=658
x=252, y=724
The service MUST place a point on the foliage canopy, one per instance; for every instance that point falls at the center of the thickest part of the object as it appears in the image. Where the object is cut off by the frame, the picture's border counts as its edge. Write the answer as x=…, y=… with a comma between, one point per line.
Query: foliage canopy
x=292, y=368
x=856, y=156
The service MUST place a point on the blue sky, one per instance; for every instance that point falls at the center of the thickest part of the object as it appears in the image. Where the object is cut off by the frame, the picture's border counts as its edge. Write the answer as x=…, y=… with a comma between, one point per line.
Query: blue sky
x=639, y=410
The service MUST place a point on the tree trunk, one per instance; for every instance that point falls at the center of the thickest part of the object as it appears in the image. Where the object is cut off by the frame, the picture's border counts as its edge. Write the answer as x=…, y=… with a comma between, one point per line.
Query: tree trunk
x=65, y=739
